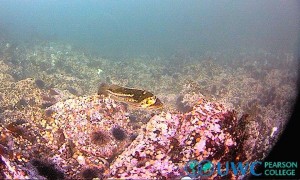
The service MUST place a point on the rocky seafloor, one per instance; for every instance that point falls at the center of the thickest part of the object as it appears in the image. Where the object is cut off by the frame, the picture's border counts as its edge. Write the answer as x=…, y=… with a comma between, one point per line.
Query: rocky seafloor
x=226, y=106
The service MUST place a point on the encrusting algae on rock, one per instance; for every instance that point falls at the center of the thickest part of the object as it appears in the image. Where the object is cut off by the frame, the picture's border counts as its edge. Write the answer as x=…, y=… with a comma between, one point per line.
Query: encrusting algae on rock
x=135, y=97
x=170, y=140
x=94, y=137
x=52, y=123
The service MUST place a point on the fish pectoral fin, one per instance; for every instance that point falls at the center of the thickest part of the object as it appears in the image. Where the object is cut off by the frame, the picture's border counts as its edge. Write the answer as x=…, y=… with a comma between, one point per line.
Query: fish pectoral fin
x=145, y=105
x=102, y=90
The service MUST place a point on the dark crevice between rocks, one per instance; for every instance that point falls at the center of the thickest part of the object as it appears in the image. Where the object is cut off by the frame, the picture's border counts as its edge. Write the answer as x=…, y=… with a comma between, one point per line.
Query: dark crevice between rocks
x=47, y=170
x=181, y=106
x=92, y=173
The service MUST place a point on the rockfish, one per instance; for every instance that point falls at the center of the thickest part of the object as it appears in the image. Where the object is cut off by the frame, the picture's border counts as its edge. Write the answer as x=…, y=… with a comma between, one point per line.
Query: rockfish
x=135, y=97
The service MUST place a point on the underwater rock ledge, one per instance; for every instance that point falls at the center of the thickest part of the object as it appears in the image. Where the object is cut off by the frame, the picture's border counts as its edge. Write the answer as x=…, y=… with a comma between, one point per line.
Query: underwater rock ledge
x=91, y=137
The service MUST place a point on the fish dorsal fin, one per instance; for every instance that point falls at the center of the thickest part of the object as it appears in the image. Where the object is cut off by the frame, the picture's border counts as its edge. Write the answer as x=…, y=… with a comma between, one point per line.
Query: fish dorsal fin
x=114, y=87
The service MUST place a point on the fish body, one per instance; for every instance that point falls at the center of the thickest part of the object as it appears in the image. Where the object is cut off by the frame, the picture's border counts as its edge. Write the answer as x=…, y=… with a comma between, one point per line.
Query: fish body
x=135, y=97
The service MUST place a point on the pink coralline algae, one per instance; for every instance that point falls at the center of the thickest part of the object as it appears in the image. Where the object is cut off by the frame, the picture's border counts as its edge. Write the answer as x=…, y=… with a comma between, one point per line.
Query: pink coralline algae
x=92, y=137
x=169, y=141
x=96, y=126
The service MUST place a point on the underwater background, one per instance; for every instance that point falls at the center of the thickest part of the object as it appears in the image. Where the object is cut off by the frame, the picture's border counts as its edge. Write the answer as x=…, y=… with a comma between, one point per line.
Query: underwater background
x=156, y=28
x=225, y=71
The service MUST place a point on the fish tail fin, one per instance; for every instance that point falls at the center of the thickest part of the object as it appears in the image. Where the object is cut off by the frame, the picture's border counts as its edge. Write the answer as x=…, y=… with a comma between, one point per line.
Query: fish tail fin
x=102, y=90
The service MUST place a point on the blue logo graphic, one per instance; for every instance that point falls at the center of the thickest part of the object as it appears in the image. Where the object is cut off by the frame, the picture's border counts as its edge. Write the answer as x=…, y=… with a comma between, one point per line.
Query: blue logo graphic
x=195, y=168
x=206, y=168
x=191, y=168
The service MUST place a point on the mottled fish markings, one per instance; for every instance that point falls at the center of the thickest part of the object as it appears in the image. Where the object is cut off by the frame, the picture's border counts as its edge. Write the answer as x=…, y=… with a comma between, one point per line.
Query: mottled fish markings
x=134, y=97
